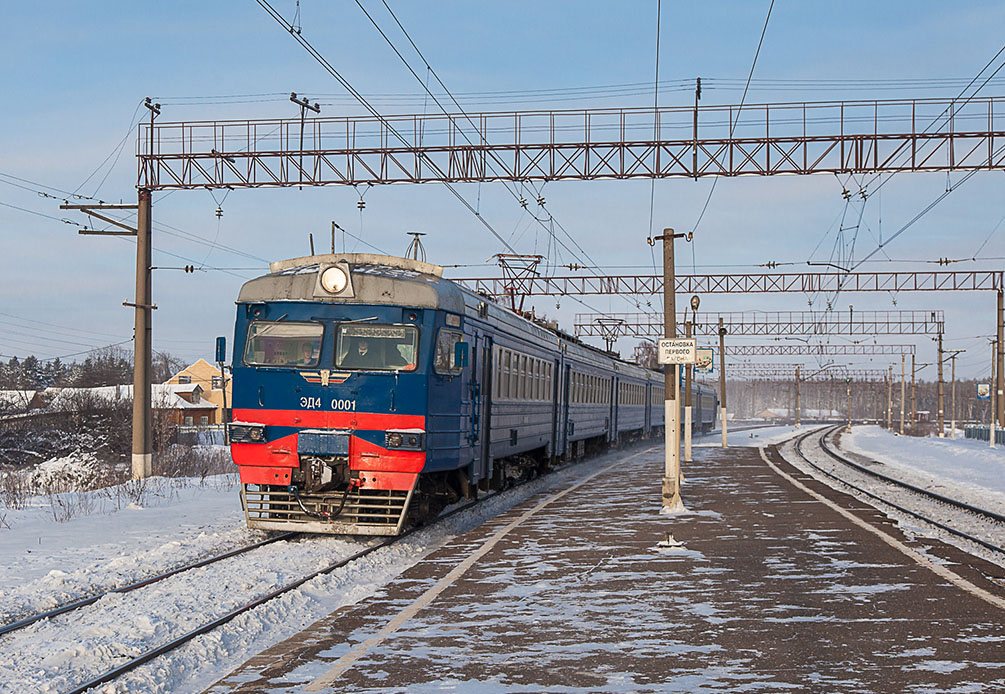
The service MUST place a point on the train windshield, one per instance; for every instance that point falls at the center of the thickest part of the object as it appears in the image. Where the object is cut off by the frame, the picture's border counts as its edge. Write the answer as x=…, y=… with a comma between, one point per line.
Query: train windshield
x=283, y=344
x=378, y=347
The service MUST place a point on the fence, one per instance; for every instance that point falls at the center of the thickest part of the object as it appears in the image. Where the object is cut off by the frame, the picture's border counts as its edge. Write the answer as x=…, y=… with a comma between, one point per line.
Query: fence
x=211, y=435
x=981, y=433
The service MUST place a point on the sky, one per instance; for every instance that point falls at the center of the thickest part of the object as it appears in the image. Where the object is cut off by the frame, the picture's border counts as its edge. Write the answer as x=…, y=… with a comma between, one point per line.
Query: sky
x=79, y=73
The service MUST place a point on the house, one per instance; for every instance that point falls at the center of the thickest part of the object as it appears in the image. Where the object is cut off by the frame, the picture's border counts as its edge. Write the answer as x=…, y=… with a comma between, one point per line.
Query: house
x=209, y=378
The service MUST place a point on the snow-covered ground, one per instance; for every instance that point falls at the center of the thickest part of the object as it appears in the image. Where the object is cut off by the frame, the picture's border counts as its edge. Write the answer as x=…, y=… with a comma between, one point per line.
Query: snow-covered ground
x=761, y=436
x=111, y=544
x=965, y=469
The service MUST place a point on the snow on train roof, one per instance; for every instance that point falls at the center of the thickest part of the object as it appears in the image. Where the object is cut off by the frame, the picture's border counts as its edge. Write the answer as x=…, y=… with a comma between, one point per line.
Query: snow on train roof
x=375, y=279
x=360, y=262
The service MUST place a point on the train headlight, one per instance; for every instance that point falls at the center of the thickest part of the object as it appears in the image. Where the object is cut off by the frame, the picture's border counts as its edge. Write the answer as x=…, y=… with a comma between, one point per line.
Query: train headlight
x=405, y=440
x=246, y=433
x=334, y=279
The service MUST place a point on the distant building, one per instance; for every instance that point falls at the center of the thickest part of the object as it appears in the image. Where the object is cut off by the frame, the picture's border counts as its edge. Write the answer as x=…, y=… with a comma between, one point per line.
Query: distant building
x=209, y=378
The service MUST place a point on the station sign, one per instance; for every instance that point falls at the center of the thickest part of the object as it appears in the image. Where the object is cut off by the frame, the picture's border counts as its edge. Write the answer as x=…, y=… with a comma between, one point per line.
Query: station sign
x=983, y=391
x=677, y=350
x=705, y=358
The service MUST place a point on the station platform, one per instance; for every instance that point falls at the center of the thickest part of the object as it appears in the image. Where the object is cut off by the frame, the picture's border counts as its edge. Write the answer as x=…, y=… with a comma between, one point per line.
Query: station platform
x=771, y=589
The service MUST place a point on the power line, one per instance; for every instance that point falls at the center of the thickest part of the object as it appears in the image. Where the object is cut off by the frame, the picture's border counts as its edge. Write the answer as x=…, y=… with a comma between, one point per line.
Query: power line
x=733, y=123
x=341, y=80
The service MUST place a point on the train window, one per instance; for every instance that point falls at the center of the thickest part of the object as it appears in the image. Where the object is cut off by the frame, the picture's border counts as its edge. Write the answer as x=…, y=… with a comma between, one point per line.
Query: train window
x=271, y=343
x=376, y=347
x=443, y=361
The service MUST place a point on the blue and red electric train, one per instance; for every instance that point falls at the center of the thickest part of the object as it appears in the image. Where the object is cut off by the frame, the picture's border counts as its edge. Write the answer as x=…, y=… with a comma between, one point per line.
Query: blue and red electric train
x=369, y=391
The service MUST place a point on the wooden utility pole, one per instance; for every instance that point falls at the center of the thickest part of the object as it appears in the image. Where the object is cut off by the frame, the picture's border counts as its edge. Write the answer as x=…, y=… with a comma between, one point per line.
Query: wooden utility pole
x=902, y=391
x=797, y=397
x=722, y=381
x=941, y=418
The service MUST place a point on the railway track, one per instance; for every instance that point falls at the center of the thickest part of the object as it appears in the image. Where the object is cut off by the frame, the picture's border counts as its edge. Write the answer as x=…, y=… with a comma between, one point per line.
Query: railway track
x=924, y=503
x=84, y=602
x=175, y=643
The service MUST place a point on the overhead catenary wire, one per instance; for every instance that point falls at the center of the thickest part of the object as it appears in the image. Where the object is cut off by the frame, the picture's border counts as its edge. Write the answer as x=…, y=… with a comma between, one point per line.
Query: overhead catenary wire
x=547, y=225
x=733, y=122
x=321, y=60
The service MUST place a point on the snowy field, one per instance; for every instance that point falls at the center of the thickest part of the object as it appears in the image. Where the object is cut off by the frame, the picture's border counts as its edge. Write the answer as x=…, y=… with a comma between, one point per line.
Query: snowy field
x=109, y=544
x=960, y=468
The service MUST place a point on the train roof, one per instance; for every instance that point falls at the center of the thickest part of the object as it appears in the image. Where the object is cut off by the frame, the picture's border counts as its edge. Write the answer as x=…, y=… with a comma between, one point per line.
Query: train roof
x=383, y=279
x=373, y=279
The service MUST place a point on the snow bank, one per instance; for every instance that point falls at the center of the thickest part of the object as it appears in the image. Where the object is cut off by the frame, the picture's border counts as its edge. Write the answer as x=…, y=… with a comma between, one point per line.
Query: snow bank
x=959, y=468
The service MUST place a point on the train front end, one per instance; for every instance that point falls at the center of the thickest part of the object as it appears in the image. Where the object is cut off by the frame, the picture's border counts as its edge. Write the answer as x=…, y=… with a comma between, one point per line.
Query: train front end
x=329, y=415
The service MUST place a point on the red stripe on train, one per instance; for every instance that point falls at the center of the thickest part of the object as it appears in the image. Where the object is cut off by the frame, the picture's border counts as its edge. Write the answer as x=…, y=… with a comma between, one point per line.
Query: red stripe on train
x=331, y=420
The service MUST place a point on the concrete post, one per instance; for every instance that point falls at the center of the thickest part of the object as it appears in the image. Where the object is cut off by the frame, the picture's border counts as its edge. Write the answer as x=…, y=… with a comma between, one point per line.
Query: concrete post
x=142, y=459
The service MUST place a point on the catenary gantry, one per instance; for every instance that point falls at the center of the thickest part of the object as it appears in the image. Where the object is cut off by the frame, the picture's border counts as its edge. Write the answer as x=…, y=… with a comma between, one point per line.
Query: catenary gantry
x=739, y=283
x=802, y=323
x=592, y=144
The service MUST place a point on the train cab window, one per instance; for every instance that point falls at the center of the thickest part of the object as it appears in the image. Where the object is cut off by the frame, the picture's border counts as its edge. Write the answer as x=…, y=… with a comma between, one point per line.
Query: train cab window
x=443, y=361
x=271, y=343
x=376, y=347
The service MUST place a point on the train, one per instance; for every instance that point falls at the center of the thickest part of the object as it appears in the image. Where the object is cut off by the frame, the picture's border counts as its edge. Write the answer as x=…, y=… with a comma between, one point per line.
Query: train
x=369, y=393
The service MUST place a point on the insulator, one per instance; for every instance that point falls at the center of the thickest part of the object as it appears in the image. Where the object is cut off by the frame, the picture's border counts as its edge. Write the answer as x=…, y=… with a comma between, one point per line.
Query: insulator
x=219, y=212
x=523, y=201
x=540, y=200
x=361, y=204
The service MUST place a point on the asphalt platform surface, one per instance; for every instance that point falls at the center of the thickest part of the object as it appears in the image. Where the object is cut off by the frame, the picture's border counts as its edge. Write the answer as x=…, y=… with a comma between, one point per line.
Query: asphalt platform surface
x=769, y=590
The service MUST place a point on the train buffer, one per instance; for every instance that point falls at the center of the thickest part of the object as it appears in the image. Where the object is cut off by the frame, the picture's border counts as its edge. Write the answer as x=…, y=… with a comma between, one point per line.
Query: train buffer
x=586, y=587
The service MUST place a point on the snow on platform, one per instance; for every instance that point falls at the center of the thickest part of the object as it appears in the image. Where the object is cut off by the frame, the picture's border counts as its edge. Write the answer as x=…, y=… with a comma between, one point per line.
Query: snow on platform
x=759, y=587
x=961, y=468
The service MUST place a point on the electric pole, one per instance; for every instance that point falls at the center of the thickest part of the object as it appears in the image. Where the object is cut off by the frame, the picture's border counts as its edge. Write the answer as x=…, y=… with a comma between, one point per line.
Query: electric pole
x=889, y=399
x=941, y=417
x=797, y=397
x=902, y=391
x=671, y=382
x=914, y=411
x=1000, y=370
x=722, y=380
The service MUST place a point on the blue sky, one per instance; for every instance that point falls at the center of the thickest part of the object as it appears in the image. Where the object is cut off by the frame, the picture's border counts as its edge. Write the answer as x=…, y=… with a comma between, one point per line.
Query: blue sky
x=77, y=73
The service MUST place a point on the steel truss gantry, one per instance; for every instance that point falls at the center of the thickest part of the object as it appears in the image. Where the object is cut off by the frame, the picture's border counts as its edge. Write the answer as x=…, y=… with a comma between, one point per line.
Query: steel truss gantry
x=800, y=323
x=788, y=350
x=591, y=144
x=741, y=283
x=787, y=372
